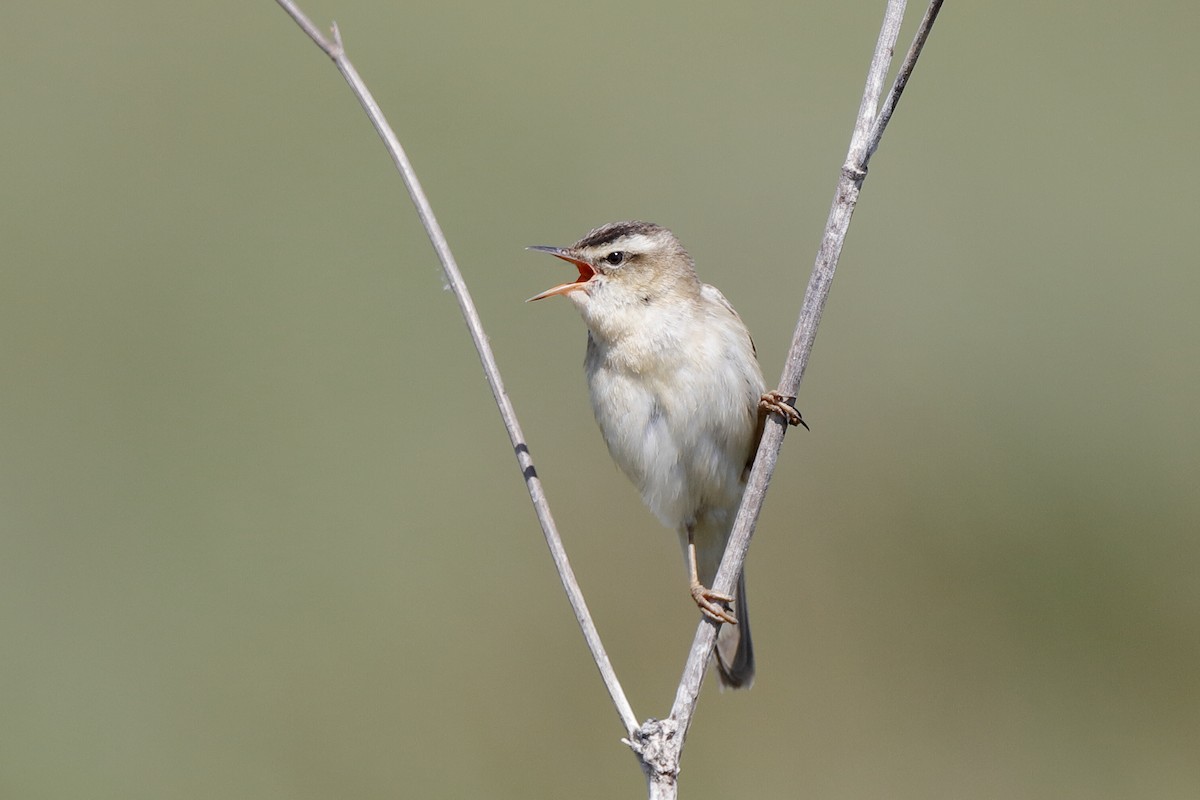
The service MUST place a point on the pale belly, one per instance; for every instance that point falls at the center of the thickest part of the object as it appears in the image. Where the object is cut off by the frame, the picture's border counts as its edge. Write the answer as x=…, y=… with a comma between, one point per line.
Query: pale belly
x=682, y=438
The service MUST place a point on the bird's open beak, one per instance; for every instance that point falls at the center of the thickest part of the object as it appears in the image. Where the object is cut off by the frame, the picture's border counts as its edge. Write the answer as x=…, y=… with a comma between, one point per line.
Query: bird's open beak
x=586, y=273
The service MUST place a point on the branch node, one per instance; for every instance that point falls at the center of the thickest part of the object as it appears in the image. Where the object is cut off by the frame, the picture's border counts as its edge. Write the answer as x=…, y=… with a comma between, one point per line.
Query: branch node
x=853, y=172
x=657, y=747
x=338, y=48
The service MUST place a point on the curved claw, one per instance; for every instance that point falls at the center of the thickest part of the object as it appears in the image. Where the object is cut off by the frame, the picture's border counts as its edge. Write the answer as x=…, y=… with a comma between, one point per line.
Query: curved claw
x=774, y=402
x=713, y=605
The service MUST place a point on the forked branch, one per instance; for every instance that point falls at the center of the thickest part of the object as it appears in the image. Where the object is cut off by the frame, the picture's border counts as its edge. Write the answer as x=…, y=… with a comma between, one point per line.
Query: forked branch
x=659, y=743
x=868, y=130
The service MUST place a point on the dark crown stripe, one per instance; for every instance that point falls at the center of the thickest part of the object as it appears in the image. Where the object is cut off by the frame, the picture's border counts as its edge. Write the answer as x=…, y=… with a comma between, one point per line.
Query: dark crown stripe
x=615, y=230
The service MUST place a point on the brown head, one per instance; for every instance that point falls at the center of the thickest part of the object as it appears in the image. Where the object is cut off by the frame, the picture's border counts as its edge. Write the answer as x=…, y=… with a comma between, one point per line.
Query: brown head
x=623, y=263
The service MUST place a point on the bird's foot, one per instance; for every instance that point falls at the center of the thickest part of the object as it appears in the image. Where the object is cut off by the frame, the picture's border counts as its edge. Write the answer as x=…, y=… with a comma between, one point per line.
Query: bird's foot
x=714, y=605
x=775, y=402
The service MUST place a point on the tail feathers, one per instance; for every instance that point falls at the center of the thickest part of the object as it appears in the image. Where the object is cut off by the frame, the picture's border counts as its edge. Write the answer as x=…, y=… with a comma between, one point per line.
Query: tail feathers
x=735, y=650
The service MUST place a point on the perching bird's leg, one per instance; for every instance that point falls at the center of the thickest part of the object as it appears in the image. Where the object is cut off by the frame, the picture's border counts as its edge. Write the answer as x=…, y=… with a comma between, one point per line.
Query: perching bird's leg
x=714, y=605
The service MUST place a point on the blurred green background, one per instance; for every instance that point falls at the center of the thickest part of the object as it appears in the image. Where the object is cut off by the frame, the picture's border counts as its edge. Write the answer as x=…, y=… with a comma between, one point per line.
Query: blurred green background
x=261, y=532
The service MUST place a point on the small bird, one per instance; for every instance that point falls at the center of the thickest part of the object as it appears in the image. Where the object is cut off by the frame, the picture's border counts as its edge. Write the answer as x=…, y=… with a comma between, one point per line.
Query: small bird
x=681, y=402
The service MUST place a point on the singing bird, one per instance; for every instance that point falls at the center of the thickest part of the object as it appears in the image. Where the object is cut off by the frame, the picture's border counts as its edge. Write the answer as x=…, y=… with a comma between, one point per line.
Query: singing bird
x=677, y=391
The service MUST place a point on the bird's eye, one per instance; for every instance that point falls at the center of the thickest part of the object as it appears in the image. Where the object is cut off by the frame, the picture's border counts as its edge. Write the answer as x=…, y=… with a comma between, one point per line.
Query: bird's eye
x=616, y=258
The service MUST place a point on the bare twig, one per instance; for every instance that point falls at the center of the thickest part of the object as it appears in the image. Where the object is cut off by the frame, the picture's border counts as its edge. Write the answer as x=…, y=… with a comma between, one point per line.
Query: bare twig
x=659, y=743
x=335, y=50
x=664, y=740
x=906, y=68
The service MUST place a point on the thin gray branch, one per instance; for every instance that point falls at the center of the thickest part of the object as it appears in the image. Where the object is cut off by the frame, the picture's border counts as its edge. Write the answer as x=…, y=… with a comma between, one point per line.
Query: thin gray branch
x=659, y=743
x=664, y=740
x=881, y=61
x=906, y=68
x=335, y=50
